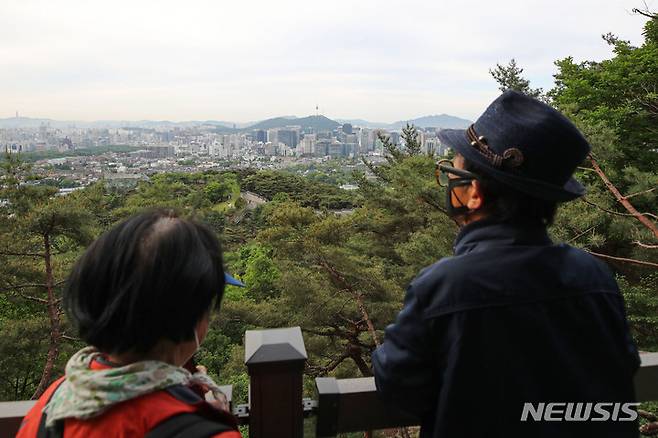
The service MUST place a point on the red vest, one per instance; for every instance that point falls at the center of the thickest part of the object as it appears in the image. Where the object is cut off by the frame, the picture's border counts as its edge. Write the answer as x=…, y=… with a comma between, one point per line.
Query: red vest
x=132, y=418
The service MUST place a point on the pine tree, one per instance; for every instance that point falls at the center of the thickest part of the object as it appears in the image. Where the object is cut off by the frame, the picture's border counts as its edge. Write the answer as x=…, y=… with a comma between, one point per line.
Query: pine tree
x=39, y=230
x=510, y=77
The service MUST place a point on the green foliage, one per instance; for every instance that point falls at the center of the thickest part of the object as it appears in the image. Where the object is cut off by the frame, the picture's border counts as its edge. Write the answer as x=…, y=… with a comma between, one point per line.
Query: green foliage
x=307, y=193
x=642, y=310
x=336, y=172
x=40, y=236
x=191, y=193
x=215, y=352
x=411, y=139
x=614, y=104
x=216, y=221
x=619, y=92
x=255, y=267
x=334, y=275
x=217, y=191
x=29, y=157
x=509, y=77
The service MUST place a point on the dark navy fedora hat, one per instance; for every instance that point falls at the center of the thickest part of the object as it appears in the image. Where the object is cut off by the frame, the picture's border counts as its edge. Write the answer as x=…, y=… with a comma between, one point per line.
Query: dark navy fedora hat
x=525, y=144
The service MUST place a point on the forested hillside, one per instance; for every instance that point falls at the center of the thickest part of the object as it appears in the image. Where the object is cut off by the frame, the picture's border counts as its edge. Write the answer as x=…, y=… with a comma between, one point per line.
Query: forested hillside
x=340, y=277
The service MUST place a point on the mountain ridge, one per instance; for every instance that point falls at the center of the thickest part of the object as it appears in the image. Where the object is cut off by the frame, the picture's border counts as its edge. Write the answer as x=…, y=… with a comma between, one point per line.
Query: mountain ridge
x=317, y=122
x=445, y=121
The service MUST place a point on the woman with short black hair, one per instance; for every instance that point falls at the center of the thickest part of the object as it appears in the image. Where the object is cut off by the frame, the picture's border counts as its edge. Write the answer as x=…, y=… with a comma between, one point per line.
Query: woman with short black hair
x=141, y=297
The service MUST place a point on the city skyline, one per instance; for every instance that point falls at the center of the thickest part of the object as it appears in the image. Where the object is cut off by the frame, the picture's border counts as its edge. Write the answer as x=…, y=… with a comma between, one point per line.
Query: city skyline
x=26, y=121
x=250, y=61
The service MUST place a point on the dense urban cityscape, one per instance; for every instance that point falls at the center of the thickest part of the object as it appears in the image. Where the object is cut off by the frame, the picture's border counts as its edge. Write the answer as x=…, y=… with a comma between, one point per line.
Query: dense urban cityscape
x=123, y=156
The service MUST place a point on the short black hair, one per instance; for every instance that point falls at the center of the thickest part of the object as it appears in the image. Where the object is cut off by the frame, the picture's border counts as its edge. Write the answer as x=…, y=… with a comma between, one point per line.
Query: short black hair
x=503, y=203
x=150, y=277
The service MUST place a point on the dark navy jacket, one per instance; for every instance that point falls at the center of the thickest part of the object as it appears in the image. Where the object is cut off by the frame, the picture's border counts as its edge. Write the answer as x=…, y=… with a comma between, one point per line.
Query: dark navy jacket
x=511, y=318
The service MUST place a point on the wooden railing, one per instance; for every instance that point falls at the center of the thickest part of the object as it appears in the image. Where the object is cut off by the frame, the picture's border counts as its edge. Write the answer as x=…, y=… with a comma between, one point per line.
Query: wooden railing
x=352, y=405
x=275, y=362
x=12, y=413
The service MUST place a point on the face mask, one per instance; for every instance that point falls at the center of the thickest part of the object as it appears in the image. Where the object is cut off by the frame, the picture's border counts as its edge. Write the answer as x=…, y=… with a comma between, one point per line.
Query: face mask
x=461, y=209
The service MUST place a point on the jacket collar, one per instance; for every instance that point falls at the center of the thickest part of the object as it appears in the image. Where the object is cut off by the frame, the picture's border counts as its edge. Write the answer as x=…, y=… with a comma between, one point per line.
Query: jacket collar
x=484, y=234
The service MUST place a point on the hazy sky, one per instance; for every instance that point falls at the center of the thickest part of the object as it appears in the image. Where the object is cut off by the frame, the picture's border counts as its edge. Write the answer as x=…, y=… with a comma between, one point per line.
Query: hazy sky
x=247, y=60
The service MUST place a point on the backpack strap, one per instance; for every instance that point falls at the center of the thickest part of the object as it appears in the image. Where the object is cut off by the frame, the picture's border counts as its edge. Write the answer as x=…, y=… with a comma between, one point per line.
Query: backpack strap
x=187, y=425
x=56, y=431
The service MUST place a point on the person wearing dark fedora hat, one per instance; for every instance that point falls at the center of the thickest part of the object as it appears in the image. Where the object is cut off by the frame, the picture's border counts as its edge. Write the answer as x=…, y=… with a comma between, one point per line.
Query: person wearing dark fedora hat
x=525, y=144
x=514, y=335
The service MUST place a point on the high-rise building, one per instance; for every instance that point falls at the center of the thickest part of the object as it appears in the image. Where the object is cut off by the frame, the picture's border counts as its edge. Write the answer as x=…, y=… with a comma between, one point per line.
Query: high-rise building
x=322, y=148
x=260, y=135
x=272, y=136
x=308, y=144
x=364, y=141
x=350, y=149
x=336, y=149
x=289, y=137
x=270, y=149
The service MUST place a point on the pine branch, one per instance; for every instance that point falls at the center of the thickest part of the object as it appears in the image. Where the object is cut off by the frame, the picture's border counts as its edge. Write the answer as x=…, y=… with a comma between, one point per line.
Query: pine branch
x=433, y=204
x=623, y=259
x=396, y=155
x=375, y=170
x=646, y=13
x=617, y=213
x=32, y=298
x=641, y=193
x=644, y=245
x=577, y=236
x=22, y=286
x=13, y=287
x=340, y=279
x=627, y=205
x=329, y=334
x=324, y=370
x=21, y=254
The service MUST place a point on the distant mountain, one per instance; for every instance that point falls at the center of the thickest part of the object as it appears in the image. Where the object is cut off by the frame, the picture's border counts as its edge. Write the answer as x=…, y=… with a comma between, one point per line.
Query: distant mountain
x=24, y=122
x=445, y=121
x=435, y=121
x=364, y=123
x=28, y=122
x=318, y=123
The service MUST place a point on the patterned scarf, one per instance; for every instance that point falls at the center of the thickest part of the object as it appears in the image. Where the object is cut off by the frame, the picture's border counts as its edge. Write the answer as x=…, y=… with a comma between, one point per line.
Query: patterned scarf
x=86, y=393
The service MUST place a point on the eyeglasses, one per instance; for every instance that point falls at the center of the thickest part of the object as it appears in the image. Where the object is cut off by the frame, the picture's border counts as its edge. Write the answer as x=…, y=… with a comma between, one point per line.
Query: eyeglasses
x=445, y=167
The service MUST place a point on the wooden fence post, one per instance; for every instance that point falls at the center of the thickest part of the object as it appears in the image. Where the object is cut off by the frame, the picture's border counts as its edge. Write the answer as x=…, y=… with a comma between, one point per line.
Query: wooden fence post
x=275, y=361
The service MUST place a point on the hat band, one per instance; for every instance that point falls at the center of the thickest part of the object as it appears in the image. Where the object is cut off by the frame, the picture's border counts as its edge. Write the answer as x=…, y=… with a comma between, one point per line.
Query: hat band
x=511, y=158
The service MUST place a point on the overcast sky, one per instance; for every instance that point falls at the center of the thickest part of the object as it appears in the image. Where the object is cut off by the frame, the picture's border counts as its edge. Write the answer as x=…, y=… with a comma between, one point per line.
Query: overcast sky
x=248, y=60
